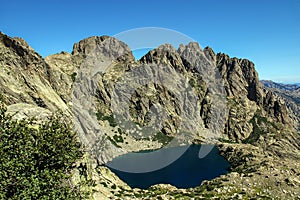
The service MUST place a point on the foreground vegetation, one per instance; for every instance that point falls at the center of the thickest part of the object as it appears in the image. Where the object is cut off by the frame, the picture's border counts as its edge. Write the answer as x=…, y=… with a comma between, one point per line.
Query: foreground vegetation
x=36, y=160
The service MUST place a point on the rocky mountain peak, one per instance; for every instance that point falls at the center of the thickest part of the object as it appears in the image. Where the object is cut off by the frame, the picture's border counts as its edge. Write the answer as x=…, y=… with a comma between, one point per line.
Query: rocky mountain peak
x=20, y=48
x=166, y=48
x=192, y=46
x=88, y=44
x=290, y=93
x=103, y=46
x=23, y=43
x=163, y=51
x=241, y=79
x=165, y=54
x=241, y=76
x=210, y=54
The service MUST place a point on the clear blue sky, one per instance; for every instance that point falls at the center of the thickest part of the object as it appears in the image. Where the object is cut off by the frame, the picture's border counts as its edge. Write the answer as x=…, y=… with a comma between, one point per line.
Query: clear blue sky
x=264, y=31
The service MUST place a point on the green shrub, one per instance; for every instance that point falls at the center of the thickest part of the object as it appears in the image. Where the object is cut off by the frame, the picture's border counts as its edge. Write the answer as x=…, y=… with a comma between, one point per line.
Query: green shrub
x=114, y=187
x=118, y=138
x=113, y=142
x=162, y=138
x=109, y=118
x=36, y=161
x=258, y=120
x=73, y=76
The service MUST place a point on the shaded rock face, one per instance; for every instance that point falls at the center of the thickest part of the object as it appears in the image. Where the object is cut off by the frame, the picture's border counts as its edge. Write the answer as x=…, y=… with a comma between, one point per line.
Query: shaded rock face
x=241, y=79
x=276, y=107
x=101, y=71
x=25, y=55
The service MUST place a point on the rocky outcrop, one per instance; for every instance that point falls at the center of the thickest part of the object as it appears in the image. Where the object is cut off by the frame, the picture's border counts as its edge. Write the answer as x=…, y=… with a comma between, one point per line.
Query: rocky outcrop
x=105, y=47
x=241, y=79
x=25, y=76
x=28, y=111
x=62, y=74
x=242, y=84
x=245, y=95
x=289, y=95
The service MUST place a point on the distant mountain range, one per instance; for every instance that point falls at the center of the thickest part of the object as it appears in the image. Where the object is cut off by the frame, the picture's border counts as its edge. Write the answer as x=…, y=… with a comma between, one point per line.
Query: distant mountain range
x=281, y=86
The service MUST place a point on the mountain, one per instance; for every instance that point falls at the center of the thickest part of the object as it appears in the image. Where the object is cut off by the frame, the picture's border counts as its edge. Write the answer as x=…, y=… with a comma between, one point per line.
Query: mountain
x=281, y=86
x=167, y=98
x=291, y=95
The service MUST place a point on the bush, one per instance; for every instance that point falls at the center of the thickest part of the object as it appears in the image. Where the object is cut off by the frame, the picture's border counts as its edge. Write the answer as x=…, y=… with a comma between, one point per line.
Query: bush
x=110, y=118
x=36, y=161
x=162, y=138
x=73, y=76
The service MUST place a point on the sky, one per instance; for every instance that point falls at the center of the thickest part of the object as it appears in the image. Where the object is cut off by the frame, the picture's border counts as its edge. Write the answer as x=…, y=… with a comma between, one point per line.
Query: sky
x=265, y=31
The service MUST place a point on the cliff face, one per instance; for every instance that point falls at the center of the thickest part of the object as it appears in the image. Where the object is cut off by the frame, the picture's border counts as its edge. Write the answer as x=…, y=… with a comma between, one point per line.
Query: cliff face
x=121, y=105
x=241, y=83
x=241, y=79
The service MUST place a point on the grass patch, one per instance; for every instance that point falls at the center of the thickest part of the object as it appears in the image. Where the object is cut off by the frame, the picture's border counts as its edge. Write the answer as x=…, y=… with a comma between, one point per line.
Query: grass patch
x=230, y=141
x=162, y=138
x=110, y=118
x=118, y=138
x=256, y=121
x=113, y=142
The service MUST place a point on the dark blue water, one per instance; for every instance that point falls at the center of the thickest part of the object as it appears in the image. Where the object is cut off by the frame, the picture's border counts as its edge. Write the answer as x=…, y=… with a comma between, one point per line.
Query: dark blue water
x=186, y=172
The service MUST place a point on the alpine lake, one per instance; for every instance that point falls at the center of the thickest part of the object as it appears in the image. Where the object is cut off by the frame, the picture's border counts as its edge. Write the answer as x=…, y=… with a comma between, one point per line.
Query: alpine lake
x=182, y=166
